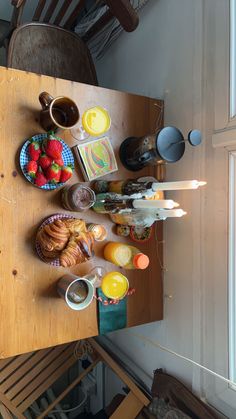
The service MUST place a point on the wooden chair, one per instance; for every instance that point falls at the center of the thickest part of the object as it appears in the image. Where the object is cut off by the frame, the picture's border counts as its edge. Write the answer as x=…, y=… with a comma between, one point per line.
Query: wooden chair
x=25, y=377
x=45, y=47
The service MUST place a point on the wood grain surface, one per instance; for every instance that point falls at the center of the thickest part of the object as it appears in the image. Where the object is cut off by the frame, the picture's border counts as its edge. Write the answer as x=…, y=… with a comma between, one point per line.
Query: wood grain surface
x=32, y=315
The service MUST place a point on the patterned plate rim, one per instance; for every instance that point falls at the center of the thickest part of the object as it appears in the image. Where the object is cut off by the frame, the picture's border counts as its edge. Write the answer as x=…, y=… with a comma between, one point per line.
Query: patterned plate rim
x=48, y=220
x=49, y=187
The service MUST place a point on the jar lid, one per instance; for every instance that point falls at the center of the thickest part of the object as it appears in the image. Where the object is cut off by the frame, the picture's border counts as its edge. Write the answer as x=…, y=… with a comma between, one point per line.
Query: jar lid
x=141, y=261
x=170, y=144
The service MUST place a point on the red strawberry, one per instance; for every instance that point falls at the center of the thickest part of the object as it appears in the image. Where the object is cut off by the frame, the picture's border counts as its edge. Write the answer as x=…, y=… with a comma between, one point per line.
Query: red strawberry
x=53, y=147
x=66, y=173
x=60, y=161
x=44, y=161
x=53, y=173
x=32, y=168
x=40, y=179
x=34, y=150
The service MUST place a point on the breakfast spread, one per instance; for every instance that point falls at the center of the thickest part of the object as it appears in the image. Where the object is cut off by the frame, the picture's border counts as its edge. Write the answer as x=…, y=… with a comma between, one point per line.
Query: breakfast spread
x=134, y=205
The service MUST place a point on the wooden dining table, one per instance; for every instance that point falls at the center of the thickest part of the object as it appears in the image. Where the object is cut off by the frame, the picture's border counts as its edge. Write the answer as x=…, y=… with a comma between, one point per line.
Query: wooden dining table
x=32, y=314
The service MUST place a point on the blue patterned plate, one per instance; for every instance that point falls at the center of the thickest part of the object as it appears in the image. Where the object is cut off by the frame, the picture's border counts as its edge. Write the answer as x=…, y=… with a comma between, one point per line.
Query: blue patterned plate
x=25, y=158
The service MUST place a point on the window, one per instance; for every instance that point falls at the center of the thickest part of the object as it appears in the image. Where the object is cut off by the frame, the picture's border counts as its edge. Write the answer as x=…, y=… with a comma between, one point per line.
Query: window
x=223, y=321
x=232, y=266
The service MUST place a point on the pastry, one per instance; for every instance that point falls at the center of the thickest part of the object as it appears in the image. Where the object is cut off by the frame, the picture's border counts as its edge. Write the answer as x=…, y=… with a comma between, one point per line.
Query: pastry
x=66, y=239
x=78, y=250
x=53, y=236
x=75, y=226
x=51, y=255
x=86, y=242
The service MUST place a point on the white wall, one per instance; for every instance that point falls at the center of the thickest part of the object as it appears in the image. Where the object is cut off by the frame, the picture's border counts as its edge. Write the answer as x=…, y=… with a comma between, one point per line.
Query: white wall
x=162, y=59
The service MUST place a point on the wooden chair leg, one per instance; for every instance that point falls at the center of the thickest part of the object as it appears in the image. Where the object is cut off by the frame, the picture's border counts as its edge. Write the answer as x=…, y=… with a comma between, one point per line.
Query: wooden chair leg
x=129, y=408
x=105, y=357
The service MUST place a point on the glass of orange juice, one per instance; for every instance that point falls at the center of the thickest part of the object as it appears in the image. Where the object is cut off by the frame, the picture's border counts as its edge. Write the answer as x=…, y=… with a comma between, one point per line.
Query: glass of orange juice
x=95, y=122
x=114, y=285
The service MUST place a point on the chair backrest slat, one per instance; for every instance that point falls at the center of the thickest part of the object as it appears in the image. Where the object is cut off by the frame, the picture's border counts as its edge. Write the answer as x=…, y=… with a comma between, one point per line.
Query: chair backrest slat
x=74, y=14
x=35, y=367
x=16, y=362
x=46, y=384
x=4, y=362
x=41, y=379
x=50, y=10
x=39, y=10
x=62, y=12
x=20, y=372
x=17, y=13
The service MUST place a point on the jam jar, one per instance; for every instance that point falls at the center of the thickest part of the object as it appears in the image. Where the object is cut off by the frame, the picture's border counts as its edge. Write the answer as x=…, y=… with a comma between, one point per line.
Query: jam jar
x=78, y=197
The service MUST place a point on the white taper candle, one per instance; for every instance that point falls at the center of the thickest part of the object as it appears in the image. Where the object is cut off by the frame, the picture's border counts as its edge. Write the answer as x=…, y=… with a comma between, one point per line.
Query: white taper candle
x=165, y=213
x=154, y=204
x=174, y=186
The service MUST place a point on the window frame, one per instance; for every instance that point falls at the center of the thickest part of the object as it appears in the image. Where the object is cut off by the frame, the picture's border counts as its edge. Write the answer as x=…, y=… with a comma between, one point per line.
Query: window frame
x=232, y=267
x=219, y=318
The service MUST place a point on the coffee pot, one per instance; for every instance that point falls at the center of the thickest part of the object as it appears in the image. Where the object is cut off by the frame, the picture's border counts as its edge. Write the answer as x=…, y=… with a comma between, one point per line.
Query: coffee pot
x=165, y=146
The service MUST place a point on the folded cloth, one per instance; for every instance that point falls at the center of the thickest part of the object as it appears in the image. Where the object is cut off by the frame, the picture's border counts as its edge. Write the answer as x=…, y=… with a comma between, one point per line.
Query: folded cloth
x=112, y=316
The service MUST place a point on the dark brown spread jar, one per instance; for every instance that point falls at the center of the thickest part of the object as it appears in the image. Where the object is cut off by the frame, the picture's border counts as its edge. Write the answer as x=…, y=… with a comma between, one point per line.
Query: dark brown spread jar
x=78, y=197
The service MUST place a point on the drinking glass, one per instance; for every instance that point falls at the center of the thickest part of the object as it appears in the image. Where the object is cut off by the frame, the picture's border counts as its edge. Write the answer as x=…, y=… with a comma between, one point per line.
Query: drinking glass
x=95, y=122
x=97, y=273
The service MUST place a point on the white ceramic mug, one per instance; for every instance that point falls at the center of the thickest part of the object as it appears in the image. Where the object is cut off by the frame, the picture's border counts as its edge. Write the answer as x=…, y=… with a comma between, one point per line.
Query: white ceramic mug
x=78, y=292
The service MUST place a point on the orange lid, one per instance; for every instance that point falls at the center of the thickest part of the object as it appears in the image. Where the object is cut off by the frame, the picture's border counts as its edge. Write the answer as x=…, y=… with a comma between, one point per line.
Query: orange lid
x=141, y=261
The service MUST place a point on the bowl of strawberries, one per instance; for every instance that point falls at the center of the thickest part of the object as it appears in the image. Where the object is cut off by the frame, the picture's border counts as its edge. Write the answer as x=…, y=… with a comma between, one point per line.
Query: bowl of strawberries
x=46, y=161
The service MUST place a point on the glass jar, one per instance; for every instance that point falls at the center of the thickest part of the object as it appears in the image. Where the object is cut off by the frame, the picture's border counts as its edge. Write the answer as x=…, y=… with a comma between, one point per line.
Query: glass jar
x=78, y=197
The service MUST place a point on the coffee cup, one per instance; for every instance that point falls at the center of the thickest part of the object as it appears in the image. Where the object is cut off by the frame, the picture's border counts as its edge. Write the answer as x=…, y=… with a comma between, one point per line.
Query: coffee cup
x=77, y=292
x=57, y=113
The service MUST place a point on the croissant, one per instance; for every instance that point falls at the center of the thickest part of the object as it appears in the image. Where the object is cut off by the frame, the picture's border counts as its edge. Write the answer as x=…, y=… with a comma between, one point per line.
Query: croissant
x=86, y=242
x=78, y=250
x=53, y=236
x=75, y=226
x=53, y=254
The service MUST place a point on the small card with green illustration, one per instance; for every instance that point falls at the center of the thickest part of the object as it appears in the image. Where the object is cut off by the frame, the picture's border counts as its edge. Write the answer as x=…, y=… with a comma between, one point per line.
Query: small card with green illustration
x=96, y=158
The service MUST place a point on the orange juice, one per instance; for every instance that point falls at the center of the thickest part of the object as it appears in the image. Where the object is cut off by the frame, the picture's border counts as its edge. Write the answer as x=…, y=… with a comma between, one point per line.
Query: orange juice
x=128, y=257
x=96, y=121
x=114, y=285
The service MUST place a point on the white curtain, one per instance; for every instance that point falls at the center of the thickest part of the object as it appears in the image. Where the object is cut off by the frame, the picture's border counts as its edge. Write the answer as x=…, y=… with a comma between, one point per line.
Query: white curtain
x=101, y=42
